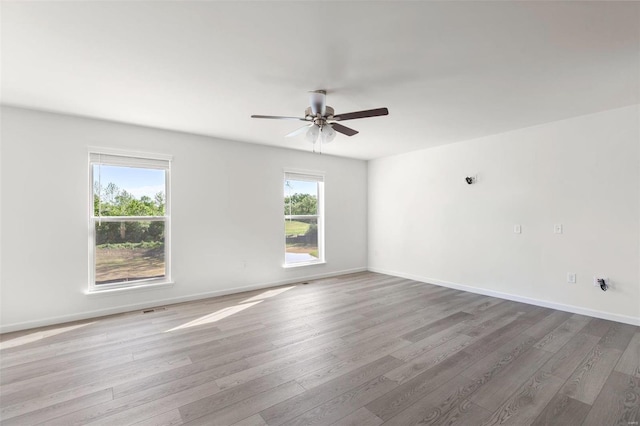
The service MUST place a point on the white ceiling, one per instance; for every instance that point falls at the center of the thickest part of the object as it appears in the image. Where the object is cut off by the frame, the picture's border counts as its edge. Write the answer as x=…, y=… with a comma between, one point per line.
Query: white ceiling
x=447, y=71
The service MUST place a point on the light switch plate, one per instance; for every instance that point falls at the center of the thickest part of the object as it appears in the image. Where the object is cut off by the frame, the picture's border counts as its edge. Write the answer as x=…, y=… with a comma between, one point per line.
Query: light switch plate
x=517, y=229
x=557, y=228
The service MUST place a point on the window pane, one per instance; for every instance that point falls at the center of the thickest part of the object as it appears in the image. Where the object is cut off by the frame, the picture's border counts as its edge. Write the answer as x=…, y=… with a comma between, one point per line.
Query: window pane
x=128, y=191
x=300, y=197
x=129, y=251
x=301, y=236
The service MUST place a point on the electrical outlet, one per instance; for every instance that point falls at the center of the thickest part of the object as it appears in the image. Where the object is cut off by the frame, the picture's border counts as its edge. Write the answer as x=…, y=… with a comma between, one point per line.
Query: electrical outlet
x=517, y=229
x=571, y=277
x=557, y=228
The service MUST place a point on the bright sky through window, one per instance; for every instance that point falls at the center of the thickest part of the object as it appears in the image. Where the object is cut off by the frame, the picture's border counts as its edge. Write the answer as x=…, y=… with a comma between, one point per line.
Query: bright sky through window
x=301, y=187
x=136, y=181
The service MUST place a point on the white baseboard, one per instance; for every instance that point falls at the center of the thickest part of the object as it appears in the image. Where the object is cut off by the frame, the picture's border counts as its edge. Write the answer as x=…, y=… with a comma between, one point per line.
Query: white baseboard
x=537, y=302
x=7, y=328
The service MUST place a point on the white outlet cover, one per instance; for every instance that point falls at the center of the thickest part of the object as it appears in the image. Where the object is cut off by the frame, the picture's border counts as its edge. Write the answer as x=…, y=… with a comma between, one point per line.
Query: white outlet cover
x=571, y=277
x=517, y=229
x=557, y=228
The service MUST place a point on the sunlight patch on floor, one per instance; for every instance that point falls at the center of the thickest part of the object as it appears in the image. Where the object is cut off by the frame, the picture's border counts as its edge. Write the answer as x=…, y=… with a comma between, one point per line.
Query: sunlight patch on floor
x=267, y=294
x=216, y=316
x=33, y=337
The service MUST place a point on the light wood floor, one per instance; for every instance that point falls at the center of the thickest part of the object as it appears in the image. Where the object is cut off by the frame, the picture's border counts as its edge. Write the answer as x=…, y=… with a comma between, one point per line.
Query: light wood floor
x=362, y=349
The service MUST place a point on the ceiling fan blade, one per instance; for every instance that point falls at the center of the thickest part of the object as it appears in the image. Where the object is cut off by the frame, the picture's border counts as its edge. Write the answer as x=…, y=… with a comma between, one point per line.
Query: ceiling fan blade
x=318, y=102
x=362, y=114
x=343, y=129
x=278, y=117
x=299, y=131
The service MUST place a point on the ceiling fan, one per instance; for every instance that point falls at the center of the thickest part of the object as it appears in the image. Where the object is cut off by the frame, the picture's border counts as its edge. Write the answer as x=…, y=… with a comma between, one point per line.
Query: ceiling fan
x=323, y=122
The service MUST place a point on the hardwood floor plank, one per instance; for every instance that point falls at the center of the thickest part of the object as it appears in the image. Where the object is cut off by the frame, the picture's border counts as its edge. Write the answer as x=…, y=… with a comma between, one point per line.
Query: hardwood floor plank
x=556, y=339
x=588, y=378
x=486, y=344
x=597, y=327
x=487, y=323
x=487, y=367
x=360, y=417
x=566, y=360
x=618, y=336
x=44, y=401
x=208, y=370
x=352, y=360
x=210, y=339
x=215, y=402
x=342, y=405
x=524, y=406
x=141, y=412
x=267, y=368
x=410, y=392
x=629, y=362
x=53, y=411
x=464, y=413
x=169, y=418
x=415, y=389
x=618, y=403
x=336, y=332
x=177, y=389
x=434, y=405
x=509, y=379
x=254, y=420
x=64, y=375
x=425, y=345
x=428, y=359
x=548, y=323
x=87, y=383
x=435, y=326
x=482, y=305
x=563, y=410
x=397, y=327
x=287, y=410
x=449, y=403
x=111, y=347
x=248, y=407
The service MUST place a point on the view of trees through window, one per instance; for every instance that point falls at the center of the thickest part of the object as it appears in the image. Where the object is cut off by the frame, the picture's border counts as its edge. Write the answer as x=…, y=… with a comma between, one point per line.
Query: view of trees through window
x=129, y=224
x=301, y=221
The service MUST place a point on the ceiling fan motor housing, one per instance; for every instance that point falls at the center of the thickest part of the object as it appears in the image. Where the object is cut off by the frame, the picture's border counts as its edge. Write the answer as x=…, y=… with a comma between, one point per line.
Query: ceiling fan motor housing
x=319, y=120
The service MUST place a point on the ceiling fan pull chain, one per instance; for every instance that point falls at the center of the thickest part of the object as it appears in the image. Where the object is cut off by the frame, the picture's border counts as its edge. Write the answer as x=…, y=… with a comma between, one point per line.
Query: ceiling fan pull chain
x=99, y=189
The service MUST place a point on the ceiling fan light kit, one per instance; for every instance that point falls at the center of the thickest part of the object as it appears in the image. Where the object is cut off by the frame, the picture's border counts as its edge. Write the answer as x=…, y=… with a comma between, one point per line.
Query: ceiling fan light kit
x=323, y=122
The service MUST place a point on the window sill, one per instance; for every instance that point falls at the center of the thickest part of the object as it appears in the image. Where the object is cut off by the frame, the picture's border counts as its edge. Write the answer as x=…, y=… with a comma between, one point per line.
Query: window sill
x=301, y=264
x=131, y=289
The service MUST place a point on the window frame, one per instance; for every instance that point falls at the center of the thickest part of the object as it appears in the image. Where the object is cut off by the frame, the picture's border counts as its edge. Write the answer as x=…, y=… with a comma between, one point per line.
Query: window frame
x=319, y=178
x=137, y=160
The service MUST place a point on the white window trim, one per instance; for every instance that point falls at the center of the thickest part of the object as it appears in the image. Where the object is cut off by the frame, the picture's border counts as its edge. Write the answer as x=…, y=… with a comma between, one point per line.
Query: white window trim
x=131, y=156
x=314, y=176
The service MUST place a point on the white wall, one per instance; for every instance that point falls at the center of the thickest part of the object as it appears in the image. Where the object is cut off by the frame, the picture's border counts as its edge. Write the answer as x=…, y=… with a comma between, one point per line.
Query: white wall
x=426, y=223
x=44, y=177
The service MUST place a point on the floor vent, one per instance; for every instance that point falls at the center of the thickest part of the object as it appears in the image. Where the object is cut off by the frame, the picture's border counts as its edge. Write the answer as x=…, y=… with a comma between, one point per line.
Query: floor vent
x=148, y=311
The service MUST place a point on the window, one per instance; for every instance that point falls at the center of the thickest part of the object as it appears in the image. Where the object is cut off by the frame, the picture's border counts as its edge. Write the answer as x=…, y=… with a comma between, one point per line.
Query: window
x=130, y=220
x=303, y=219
